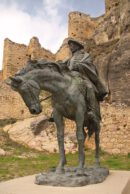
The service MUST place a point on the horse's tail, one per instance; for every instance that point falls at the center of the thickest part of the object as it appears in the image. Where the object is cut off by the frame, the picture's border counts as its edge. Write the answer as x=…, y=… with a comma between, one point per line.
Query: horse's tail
x=90, y=132
x=92, y=124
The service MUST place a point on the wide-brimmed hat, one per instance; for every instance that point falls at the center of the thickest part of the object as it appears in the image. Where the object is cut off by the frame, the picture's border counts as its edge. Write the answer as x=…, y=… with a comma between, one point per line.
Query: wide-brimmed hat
x=71, y=40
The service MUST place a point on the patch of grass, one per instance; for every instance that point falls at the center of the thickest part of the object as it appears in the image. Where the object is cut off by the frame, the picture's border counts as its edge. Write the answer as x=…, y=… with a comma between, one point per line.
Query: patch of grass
x=116, y=162
x=22, y=161
x=15, y=166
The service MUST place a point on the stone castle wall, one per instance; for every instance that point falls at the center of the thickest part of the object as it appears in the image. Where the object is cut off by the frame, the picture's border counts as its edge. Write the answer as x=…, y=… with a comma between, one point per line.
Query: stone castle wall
x=11, y=104
x=115, y=130
x=16, y=55
x=63, y=53
x=110, y=4
x=81, y=26
x=35, y=51
x=1, y=75
x=13, y=107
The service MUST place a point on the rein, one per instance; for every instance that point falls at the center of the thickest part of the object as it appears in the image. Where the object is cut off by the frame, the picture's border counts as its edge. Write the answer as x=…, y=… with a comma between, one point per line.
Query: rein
x=43, y=99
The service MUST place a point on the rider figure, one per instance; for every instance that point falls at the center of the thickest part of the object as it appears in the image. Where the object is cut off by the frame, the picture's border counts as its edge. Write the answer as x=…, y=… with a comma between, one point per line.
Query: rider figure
x=80, y=61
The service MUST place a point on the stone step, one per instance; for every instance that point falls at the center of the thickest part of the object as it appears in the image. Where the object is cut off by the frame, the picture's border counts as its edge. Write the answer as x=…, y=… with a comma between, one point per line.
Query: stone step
x=118, y=182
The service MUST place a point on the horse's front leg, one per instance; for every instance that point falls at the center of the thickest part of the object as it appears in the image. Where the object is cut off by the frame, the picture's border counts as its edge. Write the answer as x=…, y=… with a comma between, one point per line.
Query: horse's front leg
x=81, y=139
x=58, y=118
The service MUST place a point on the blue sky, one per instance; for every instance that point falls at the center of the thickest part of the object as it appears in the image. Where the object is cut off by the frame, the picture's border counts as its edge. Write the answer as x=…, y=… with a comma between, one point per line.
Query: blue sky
x=47, y=19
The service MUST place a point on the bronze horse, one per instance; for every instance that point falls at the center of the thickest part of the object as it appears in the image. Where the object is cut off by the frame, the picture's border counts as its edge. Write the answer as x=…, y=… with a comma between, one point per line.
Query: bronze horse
x=68, y=91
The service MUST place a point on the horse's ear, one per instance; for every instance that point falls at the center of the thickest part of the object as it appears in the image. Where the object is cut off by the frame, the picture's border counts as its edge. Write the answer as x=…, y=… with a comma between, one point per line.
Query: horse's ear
x=15, y=82
x=16, y=79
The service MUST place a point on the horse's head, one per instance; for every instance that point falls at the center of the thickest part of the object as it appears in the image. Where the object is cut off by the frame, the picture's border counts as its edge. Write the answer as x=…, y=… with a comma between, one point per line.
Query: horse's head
x=29, y=91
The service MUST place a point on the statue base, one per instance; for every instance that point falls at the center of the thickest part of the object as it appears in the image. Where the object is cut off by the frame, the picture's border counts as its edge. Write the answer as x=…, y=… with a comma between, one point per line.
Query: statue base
x=70, y=178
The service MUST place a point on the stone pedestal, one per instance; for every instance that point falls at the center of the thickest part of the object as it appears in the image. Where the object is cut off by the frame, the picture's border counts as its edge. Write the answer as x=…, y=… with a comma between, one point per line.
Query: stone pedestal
x=73, y=178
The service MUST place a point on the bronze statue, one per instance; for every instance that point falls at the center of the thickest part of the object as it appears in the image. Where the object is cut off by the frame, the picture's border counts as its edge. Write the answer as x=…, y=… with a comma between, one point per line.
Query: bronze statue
x=69, y=100
x=76, y=93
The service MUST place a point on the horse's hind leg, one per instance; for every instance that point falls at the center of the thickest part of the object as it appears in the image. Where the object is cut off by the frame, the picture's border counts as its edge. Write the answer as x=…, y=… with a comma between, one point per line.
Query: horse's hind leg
x=97, y=141
x=80, y=138
x=58, y=118
x=94, y=127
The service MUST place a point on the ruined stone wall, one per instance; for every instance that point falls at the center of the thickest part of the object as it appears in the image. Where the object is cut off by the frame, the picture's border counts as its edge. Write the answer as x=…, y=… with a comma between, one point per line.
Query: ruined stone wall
x=35, y=51
x=125, y=15
x=1, y=75
x=119, y=63
x=64, y=52
x=109, y=28
x=81, y=26
x=11, y=104
x=110, y=4
x=14, y=58
x=110, y=49
x=115, y=129
x=16, y=55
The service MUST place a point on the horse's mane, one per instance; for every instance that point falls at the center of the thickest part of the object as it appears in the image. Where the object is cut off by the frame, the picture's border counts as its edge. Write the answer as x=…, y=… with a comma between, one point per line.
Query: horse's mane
x=41, y=64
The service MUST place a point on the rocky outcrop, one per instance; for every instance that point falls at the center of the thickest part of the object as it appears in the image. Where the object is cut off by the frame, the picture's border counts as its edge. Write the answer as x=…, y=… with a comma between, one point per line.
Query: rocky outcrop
x=119, y=71
x=21, y=132
x=110, y=50
x=2, y=152
x=119, y=64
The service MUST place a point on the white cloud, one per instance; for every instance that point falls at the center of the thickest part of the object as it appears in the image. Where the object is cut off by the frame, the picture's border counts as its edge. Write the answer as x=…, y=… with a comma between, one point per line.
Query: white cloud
x=19, y=26
x=48, y=23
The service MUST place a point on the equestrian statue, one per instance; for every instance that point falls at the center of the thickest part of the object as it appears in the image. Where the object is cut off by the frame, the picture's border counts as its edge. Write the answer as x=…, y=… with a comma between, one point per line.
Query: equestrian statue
x=76, y=94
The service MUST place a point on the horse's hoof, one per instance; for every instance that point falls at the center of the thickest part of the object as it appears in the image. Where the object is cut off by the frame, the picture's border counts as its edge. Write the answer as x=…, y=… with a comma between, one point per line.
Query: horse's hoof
x=80, y=172
x=60, y=170
x=97, y=165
